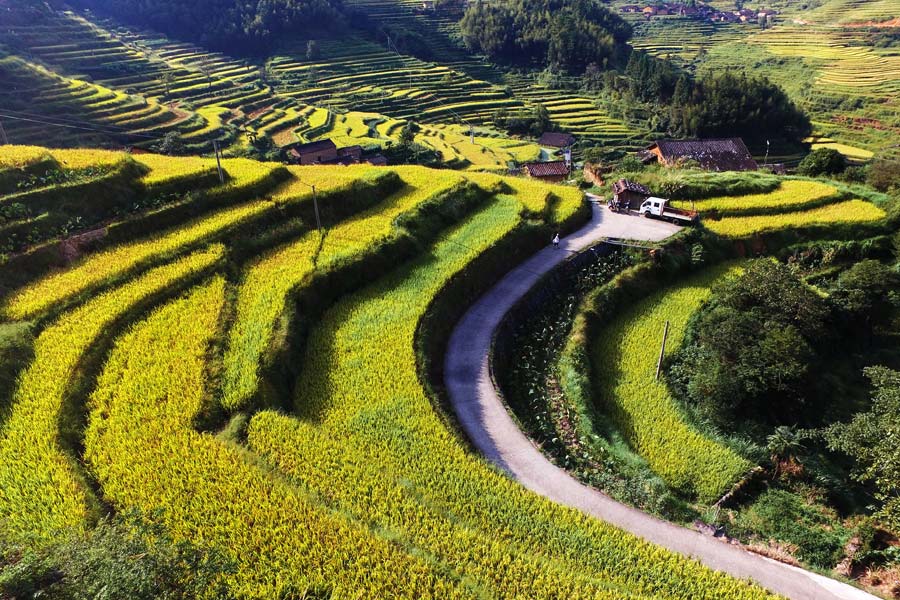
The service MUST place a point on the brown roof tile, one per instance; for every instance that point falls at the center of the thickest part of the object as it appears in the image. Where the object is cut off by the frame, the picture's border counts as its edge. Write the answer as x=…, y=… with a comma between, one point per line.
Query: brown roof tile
x=728, y=154
x=555, y=168
x=556, y=139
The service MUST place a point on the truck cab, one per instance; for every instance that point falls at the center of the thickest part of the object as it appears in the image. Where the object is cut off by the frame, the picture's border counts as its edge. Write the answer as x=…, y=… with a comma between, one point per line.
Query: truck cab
x=653, y=206
x=659, y=208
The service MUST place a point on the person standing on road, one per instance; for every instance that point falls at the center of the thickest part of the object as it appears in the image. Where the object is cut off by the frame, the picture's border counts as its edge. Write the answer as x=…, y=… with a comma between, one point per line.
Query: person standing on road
x=556, y=240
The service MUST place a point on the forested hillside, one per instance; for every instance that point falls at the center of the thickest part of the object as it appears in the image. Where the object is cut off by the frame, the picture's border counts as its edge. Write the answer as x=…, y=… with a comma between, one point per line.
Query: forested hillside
x=245, y=26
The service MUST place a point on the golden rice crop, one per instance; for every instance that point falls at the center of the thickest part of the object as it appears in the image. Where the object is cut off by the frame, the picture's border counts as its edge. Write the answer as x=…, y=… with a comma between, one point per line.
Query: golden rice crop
x=536, y=196
x=367, y=437
x=362, y=487
x=850, y=211
x=99, y=268
x=142, y=446
x=164, y=169
x=40, y=491
x=15, y=157
x=81, y=158
x=264, y=290
x=213, y=116
x=789, y=195
x=624, y=363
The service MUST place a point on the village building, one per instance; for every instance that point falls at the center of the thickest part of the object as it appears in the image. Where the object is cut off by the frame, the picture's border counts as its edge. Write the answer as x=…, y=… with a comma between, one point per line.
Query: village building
x=728, y=154
x=314, y=153
x=554, y=171
x=556, y=139
x=349, y=155
x=649, y=11
x=630, y=8
x=377, y=160
x=630, y=194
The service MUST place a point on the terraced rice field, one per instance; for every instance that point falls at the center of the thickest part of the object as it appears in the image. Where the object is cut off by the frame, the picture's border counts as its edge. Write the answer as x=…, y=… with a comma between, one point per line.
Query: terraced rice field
x=383, y=499
x=790, y=195
x=851, y=69
x=682, y=38
x=642, y=406
x=847, y=212
x=847, y=86
x=850, y=152
x=142, y=81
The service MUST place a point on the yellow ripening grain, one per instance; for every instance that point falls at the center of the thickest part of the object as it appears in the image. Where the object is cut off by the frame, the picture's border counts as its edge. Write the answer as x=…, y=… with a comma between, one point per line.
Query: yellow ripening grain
x=41, y=494
x=851, y=211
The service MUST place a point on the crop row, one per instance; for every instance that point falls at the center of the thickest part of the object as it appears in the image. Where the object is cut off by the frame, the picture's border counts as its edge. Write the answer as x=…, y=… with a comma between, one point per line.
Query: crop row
x=497, y=569
x=283, y=541
x=104, y=266
x=790, y=195
x=623, y=361
x=850, y=211
x=41, y=494
x=267, y=283
x=367, y=436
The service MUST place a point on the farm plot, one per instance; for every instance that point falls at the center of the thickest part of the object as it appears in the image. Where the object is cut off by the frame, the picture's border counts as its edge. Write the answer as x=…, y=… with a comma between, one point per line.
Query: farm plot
x=106, y=266
x=264, y=291
x=442, y=525
x=790, y=195
x=623, y=361
x=363, y=413
x=280, y=537
x=42, y=493
x=841, y=213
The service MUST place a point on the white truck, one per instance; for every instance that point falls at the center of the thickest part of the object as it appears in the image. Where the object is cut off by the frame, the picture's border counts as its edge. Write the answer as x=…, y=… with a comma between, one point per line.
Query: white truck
x=659, y=208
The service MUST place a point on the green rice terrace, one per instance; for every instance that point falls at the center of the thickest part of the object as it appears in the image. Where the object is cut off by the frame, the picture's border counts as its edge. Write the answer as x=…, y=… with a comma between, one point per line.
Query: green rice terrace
x=173, y=315
x=310, y=300
x=824, y=58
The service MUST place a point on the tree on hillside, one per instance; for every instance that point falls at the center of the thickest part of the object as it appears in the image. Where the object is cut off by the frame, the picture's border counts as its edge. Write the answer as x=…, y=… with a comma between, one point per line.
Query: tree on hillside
x=873, y=439
x=884, y=174
x=749, y=353
x=248, y=26
x=567, y=35
x=822, y=161
x=727, y=104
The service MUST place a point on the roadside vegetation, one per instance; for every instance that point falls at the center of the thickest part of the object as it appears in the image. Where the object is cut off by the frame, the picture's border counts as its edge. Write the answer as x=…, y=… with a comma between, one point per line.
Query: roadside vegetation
x=786, y=364
x=143, y=349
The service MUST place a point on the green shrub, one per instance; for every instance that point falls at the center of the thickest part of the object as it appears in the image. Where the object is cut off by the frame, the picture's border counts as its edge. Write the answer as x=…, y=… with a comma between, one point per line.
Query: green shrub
x=786, y=517
x=822, y=161
x=123, y=557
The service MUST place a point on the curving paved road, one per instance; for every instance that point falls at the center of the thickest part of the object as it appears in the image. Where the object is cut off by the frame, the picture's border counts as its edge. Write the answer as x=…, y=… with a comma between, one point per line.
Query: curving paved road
x=487, y=423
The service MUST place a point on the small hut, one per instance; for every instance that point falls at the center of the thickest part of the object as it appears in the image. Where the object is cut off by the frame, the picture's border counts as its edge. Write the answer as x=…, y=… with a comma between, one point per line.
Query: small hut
x=629, y=194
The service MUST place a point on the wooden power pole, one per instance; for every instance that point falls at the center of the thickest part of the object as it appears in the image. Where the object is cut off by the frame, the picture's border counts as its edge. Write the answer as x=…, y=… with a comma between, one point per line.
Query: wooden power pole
x=662, y=350
x=219, y=162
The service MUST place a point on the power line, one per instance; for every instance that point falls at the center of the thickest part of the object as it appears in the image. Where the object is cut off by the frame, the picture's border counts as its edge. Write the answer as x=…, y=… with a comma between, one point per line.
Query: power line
x=79, y=127
x=66, y=120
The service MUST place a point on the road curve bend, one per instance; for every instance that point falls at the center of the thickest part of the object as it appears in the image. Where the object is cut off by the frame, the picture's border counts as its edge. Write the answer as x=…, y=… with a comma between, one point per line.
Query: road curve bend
x=484, y=418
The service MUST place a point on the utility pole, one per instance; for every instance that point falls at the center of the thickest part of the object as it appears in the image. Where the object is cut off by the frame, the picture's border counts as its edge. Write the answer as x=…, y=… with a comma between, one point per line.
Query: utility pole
x=3, y=139
x=316, y=208
x=662, y=350
x=219, y=162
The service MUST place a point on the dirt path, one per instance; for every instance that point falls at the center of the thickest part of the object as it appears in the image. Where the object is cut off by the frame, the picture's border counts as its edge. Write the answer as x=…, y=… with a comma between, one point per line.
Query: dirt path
x=489, y=426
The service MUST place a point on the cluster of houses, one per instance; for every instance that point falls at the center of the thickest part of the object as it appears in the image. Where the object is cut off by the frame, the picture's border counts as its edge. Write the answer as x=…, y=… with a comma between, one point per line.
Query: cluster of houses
x=719, y=154
x=325, y=152
x=703, y=12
